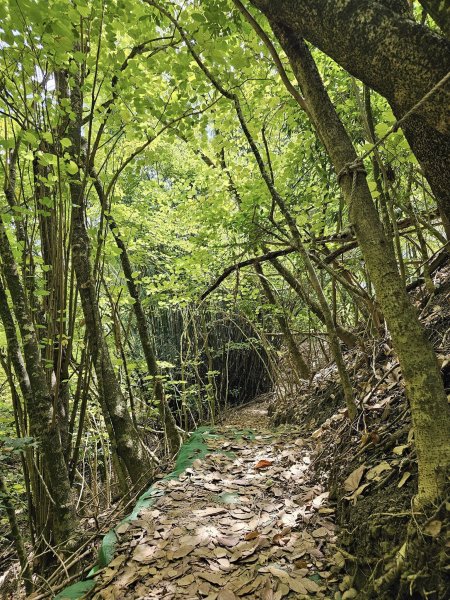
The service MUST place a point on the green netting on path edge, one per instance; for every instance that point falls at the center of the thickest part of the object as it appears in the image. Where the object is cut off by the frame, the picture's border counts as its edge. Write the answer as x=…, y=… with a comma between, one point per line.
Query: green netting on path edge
x=195, y=447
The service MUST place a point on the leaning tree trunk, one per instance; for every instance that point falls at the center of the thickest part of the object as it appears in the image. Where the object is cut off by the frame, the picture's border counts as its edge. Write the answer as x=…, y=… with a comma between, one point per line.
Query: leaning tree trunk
x=399, y=58
x=424, y=387
x=346, y=336
x=166, y=416
x=300, y=367
x=127, y=441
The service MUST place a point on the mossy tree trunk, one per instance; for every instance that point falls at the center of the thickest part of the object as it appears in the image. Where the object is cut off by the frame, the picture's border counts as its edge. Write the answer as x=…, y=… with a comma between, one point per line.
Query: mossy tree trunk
x=40, y=406
x=126, y=439
x=440, y=12
x=424, y=386
x=5, y=499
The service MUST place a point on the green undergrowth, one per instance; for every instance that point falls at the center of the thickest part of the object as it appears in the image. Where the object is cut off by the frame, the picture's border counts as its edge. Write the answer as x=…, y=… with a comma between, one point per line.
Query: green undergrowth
x=195, y=447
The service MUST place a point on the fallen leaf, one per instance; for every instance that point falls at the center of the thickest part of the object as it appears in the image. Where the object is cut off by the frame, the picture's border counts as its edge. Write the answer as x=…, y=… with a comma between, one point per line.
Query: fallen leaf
x=226, y=595
x=182, y=551
x=357, y=493
x=296, y=585
x=406, y=475
x=376, y=471
x=144, y=554
x=310, y=585
x=352, y=481
x=263, y=464
x=215, y=578
x=185, y=581
x=251, y=535
x=400, y=449
x=321, y=532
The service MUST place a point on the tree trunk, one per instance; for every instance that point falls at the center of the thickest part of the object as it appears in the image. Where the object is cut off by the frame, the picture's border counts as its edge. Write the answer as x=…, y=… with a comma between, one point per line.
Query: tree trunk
x=399, y=58
x=300, y=367
x=129, y=446
x=43, y=420
x=344, y=335
x=166, y=416
x=440, y=12
x=5, y=499
x=424, y=387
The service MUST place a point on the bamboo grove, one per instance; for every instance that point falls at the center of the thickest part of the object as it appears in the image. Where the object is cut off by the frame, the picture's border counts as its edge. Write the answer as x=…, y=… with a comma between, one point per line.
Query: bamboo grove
x=190, y=191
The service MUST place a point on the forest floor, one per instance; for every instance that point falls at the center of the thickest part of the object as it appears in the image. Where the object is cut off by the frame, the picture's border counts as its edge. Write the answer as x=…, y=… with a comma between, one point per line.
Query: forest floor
x=285, y=498
x=304, y=504
x=247, y=520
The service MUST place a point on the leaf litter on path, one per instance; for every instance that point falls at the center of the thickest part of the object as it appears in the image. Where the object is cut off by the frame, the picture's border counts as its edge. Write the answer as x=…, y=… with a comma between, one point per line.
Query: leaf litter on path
x=257, y=532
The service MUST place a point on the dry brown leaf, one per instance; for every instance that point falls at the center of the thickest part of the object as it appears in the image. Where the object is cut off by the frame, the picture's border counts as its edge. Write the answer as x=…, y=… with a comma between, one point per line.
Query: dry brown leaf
x=283, y=590
x=226, y=594
x=215, y=578
x=263, y=464
x=123, y=528
x=244, y=550
x=320, y=532
x=228, y=540
x=186, y=580
x=210, y=511
x=296, y=585
x=352, y=481
x=310, y=585
x=400, y=449
x=406, y=475
x=182, y=551
x=144, y=554
x=357, y=493
x=375, y=472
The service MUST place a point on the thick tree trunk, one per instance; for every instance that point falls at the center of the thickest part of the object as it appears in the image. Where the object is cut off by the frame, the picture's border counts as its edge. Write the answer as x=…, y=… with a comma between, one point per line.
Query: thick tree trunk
x=424, y=387
x=300, y=367
x=127, y=441
x=440, y=12
x=399, y=58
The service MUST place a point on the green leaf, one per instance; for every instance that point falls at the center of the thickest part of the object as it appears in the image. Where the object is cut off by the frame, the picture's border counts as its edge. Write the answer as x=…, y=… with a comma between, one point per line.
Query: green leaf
x=83, y=10
x=65, y=142
x=71, y=168
x=76, y=591
x=382, y=129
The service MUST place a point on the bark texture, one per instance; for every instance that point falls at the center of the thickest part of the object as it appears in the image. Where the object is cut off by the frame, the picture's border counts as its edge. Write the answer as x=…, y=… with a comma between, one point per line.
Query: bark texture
x=424, y=387
x=399, y=58
x=440, y=12
x=40, y=406
x=126, y=439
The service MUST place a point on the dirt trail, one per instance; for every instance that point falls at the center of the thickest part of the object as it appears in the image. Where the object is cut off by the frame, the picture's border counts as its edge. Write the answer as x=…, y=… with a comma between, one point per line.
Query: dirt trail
x=243, y=521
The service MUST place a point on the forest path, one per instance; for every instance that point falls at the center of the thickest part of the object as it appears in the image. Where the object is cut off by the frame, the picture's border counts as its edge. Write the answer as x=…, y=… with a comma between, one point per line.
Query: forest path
x=243, y=521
